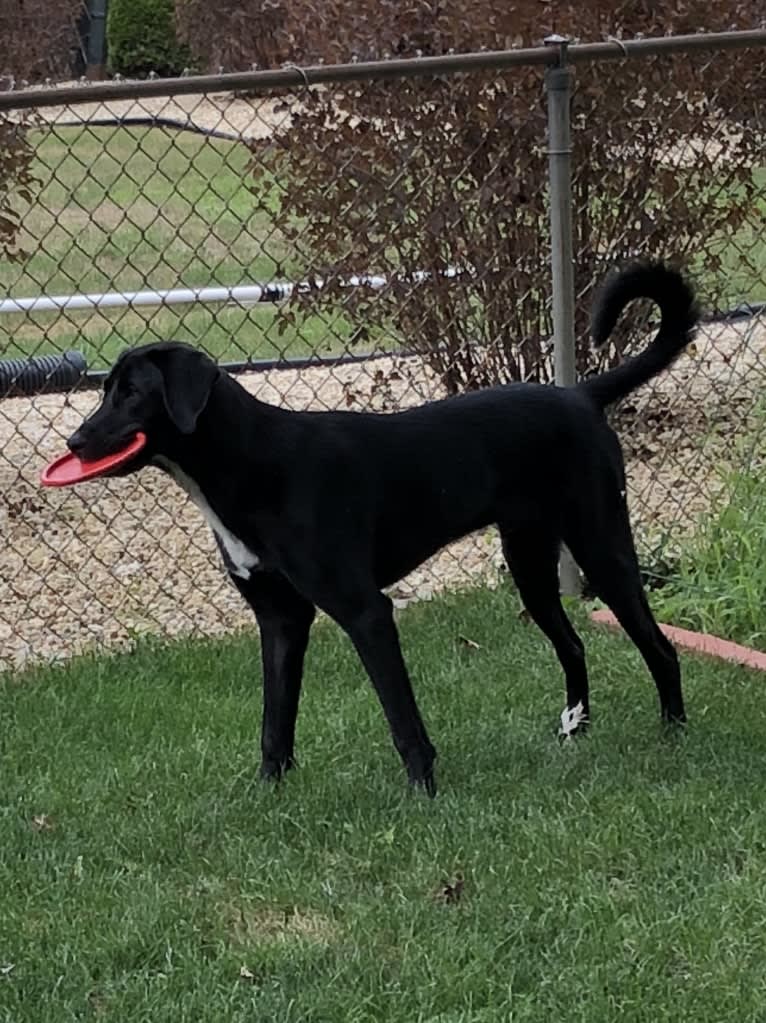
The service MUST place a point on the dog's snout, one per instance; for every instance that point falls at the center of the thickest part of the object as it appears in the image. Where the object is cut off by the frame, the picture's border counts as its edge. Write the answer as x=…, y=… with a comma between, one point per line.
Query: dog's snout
x=76, y=443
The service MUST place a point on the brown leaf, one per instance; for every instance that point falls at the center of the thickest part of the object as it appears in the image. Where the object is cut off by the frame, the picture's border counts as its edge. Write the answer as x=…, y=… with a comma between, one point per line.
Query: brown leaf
x=451, y=892
x=97, y=1002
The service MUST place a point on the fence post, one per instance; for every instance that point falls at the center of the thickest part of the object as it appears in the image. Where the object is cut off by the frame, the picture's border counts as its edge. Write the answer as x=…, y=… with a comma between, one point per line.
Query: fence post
x=558, y=87
x=96, y=50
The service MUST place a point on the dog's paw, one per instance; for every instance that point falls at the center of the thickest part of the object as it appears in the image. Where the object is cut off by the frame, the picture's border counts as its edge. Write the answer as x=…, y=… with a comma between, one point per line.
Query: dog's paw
x=420, y=770
x=273, y=769
x=674, y=724
x=426, y=784
x=573, y=721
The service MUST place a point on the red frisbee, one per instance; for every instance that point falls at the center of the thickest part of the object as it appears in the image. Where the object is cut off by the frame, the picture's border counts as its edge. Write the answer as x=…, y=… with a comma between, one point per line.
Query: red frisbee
x=68, y=469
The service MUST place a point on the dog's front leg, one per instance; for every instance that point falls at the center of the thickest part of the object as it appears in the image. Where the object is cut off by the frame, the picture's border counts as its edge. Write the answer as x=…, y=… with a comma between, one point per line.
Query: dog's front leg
x=374, y=634
x=284, y=620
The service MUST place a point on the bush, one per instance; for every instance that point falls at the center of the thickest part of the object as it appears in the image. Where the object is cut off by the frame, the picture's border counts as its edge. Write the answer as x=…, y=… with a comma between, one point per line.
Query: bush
x=16, y=181
x=141, y=38
x=423, y=174
x=235, y=35
x=39, y=37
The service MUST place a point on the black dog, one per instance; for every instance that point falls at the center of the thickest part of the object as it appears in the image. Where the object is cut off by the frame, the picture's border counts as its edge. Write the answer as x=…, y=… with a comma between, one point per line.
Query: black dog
x=325, y=509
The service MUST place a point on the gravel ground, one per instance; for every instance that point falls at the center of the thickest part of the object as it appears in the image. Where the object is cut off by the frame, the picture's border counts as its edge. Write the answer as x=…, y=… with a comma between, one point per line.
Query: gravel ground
x=105, y=561
x=250, y=118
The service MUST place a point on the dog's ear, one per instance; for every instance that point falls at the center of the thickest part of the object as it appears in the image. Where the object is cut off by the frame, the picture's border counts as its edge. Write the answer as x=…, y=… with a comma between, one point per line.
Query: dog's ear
x=187, y=380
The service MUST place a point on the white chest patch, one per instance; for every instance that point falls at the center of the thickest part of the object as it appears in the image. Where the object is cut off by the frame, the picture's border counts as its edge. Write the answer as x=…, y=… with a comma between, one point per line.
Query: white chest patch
x=241, y=557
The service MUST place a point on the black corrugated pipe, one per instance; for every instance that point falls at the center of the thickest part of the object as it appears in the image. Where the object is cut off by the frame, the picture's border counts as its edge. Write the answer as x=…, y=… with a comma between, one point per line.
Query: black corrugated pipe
x=41, y=373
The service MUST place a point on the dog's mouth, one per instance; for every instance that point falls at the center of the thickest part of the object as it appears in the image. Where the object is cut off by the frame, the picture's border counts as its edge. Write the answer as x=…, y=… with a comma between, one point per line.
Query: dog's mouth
x=132, y=464
x=97, y=449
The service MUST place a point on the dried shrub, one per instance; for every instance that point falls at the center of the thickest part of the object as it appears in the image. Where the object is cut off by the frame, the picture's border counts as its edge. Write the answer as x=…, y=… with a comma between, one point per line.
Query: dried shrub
x=16, y=182
x=235, y=35
x=422, y=175
x=335, y=30
x=38, y=37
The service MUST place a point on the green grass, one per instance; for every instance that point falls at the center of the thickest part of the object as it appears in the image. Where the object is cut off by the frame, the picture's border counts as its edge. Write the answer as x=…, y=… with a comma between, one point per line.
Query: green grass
x=623, y=877
x=730, y=261
x=227, y=333
x=124, y=209
x=717, y=585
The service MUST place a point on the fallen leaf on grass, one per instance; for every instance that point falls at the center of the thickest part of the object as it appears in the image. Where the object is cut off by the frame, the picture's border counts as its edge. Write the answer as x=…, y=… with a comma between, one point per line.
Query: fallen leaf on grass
x=5, y=970
x=470, y=643
x=42, y=822
x=97, y=1002
x=450, y=892
x=246, y=974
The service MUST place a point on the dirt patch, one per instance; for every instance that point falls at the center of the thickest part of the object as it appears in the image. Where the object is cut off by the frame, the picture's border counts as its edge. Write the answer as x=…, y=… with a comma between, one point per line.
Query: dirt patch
x=103, y=562
x=252, y=925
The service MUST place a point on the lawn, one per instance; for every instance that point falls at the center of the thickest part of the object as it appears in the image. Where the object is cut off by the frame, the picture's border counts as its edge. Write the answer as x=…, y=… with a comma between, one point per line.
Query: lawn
x=125, y=209
x=227, y=333
x=147, y=876
x=717, y=582
x=119, y=206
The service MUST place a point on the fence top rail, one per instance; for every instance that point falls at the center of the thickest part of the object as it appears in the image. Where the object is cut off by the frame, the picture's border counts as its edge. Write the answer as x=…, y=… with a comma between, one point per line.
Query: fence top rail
x=292, y=76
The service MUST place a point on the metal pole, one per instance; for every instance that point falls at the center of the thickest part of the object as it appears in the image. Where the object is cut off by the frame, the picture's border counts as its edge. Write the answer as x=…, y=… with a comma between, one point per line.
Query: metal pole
x=558, y=85
x=96, y=56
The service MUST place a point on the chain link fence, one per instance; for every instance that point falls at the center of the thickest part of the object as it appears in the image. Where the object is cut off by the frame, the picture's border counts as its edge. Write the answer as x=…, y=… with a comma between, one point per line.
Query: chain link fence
x=372, y=236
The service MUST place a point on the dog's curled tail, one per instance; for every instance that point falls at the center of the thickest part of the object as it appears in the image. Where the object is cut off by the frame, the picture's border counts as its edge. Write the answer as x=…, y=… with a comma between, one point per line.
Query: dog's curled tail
x=679, y=318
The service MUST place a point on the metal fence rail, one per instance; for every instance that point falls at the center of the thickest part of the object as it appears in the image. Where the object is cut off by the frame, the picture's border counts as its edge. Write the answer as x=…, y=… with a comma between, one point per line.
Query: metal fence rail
x=292, y=77
x=429, y=208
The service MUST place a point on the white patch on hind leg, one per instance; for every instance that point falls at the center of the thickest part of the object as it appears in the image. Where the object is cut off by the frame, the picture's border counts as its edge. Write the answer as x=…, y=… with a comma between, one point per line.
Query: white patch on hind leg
x=571, y=719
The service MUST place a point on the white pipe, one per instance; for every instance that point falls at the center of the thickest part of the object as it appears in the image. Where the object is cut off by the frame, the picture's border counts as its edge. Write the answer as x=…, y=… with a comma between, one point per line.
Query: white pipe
x=120, y=299
x=242, y=294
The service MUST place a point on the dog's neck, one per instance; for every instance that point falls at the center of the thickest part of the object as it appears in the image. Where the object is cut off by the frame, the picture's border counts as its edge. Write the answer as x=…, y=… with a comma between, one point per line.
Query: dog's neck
x=234, y=429
x=235, y=432
x=218, y=464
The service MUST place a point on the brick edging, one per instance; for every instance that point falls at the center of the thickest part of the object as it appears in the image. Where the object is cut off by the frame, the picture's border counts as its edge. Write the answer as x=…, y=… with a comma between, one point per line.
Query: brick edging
x=698, y=642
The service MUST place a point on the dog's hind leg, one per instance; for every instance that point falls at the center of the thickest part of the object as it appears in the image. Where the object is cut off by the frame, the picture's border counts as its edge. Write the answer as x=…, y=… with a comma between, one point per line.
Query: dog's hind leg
x=533, y=558
x=284, y=620
x=607, y=555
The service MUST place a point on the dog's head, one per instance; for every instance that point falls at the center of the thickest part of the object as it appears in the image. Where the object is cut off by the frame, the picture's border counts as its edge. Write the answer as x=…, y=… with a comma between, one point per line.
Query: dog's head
x=159, y=389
